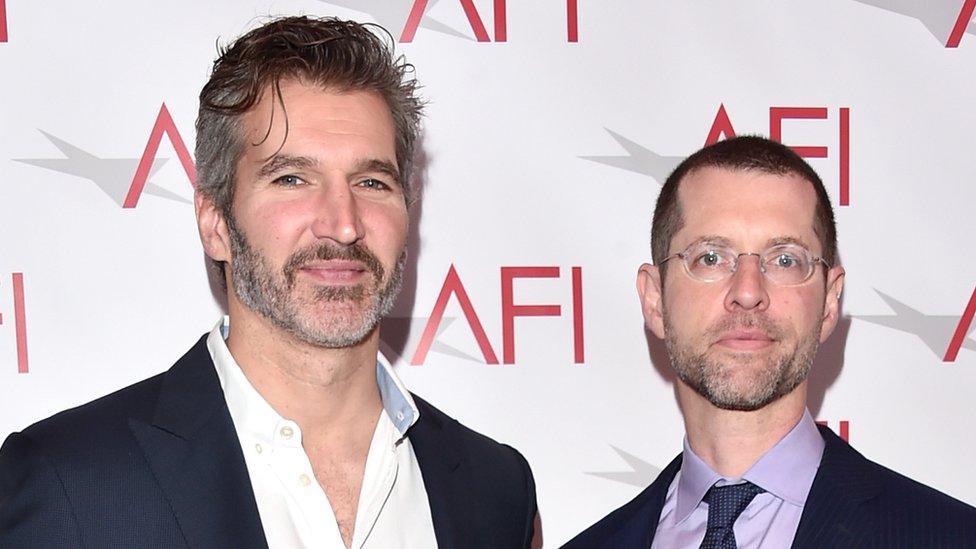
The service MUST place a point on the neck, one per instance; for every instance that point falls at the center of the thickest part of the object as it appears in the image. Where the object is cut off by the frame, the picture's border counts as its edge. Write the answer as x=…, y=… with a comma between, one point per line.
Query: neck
x=323, y=390
x=730, y=442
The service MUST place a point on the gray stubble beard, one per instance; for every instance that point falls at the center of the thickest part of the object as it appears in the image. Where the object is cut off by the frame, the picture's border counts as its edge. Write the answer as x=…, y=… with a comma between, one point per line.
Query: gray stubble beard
x=712, y=378
x=270, y=294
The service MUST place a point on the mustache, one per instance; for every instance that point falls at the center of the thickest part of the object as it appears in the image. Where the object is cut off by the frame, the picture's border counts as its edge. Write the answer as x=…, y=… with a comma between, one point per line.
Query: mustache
x=737, y=321
x=325, y=252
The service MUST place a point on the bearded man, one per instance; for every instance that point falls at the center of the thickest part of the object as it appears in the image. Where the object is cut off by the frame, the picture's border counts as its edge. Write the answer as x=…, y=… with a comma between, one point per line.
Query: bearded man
x=745, y=285
x=284, y=426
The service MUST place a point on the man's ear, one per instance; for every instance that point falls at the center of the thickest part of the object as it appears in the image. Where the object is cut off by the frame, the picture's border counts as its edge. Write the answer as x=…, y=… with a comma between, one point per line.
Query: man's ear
x=649, y=291
x=831, y=311
x=212, y=227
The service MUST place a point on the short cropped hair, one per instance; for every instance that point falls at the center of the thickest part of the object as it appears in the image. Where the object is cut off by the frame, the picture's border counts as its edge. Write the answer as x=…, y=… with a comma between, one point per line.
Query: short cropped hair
x=336, y=55
x=740, y=153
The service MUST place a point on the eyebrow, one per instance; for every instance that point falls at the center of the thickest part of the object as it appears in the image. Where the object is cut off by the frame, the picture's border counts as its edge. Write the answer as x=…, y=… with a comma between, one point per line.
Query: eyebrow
x=281, y=162
x=780, y=240
x=712, y=239
x=775, y=241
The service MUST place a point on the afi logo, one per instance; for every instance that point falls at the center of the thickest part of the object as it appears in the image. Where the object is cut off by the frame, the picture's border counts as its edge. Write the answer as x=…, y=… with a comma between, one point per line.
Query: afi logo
x=510, y=310
x=20, y=322
x=164, y=124
x=938, y=16
x=933, y=330
x=124, y=180
x=961, y=330
x=413, y=15
x=640, y=159
x=3, y=20
x=845, y=428
x=722, y=125
x=500, y=17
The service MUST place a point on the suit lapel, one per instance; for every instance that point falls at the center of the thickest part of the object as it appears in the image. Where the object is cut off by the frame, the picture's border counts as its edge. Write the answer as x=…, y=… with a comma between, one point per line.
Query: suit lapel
x=442, y=467
x=634, y=525
x=833, y=515
x=655, y=495
x=195, y=455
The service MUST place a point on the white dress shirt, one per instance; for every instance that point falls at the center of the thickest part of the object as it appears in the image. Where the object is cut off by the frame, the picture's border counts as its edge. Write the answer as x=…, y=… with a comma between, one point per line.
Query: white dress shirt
x=295, y=512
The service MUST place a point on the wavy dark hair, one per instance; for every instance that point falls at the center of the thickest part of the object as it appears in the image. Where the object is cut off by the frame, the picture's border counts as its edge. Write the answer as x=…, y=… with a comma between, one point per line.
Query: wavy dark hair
x=747, y=152
x=327, y=52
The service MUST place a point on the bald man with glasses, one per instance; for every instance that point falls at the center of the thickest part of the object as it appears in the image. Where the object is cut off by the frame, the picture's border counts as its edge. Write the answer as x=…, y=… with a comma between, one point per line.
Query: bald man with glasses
x=745, y=285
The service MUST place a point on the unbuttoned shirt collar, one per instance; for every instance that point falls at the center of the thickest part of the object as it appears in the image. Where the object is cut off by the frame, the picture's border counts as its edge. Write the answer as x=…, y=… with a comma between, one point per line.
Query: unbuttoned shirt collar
x=254, y=411
x=295, y=510
x=785, y=471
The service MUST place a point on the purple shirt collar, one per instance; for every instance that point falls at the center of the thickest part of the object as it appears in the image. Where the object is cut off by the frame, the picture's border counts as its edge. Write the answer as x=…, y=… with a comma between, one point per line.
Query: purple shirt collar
x=785, y=471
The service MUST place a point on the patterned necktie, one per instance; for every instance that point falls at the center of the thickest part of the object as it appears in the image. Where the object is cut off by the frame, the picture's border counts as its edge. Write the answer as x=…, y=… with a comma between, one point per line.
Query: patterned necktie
x=725, y=504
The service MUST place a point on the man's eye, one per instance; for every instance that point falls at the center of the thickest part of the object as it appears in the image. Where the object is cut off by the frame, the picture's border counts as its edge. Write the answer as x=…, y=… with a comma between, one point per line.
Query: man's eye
x=709, y=259
x=289, y=181
x=376, y=184
x=785, y=261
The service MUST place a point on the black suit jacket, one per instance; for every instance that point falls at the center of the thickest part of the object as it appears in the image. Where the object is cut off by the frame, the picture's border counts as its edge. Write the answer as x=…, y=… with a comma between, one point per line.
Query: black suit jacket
x=853, y=502
x=159, y=464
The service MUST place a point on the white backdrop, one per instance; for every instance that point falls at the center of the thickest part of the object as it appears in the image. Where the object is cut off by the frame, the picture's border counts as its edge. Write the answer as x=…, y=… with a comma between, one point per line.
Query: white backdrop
x=541, y=151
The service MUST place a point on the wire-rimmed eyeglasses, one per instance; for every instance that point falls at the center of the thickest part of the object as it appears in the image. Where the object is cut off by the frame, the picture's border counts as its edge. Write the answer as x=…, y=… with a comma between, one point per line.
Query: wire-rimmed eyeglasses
x=783, y=264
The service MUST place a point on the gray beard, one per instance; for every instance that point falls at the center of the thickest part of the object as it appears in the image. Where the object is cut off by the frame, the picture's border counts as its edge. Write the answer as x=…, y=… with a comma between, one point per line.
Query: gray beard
x=271, y=295
x=715, y=379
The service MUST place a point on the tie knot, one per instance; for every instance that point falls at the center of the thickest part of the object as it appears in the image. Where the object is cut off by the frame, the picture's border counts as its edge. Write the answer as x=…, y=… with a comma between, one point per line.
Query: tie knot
x=726, y=503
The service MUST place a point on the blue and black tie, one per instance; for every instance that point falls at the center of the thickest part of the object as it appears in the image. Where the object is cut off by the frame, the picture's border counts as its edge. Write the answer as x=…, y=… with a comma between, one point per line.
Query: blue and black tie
x=725, y=504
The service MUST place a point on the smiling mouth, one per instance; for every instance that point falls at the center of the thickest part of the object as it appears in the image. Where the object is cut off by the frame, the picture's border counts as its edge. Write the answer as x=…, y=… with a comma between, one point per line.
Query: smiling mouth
x=335, y=272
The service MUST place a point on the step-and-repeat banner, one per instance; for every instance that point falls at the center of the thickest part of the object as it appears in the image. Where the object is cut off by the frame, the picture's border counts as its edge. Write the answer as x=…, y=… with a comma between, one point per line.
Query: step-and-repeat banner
x=550, y=127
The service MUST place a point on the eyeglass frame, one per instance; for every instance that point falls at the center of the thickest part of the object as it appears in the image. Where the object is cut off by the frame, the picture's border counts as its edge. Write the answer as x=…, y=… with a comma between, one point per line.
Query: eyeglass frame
x=814, y=259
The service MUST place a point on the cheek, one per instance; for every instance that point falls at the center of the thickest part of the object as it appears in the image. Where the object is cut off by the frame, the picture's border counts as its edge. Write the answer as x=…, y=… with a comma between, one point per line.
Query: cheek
x=386, y=229
x=802, y=311
x=273, y=226
x=691, y=309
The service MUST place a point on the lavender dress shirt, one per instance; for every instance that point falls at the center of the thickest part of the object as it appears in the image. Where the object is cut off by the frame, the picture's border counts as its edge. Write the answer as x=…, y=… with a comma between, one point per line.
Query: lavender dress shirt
x=786, y=474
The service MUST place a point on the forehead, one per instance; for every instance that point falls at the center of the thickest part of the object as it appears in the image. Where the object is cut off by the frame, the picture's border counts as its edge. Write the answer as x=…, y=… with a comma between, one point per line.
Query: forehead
x=306, y=115
x=748, y=207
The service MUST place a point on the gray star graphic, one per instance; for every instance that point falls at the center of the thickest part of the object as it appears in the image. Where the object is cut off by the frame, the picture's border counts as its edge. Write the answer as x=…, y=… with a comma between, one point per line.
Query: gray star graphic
x=399, y=332
x=393, y=15
x=112, y=175
x=938, y=16
x=638, y=159
x=934, y=330
x=640, y=475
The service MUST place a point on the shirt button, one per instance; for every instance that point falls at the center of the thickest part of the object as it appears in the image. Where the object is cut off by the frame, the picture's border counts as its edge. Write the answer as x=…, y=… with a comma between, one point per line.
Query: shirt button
x=258, y=448
x=304, y=480
x=287, y=432
x=399, y=416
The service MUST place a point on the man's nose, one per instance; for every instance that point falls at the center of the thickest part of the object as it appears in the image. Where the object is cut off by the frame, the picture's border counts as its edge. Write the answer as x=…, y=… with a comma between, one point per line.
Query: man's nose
x=747, y=287
x=336, y=214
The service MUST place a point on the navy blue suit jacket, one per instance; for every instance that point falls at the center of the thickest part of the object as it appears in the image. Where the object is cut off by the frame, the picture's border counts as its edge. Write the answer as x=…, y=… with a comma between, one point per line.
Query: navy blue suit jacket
x=853, y=502
x=159, y=464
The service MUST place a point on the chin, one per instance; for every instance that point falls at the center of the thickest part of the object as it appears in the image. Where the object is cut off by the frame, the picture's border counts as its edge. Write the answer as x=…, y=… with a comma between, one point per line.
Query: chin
x=334, y=335
x=742, y=404
x=746, y=386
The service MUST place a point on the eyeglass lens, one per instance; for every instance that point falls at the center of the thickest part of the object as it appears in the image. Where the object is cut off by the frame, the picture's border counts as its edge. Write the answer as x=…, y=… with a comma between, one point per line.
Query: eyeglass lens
x=785, y=264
